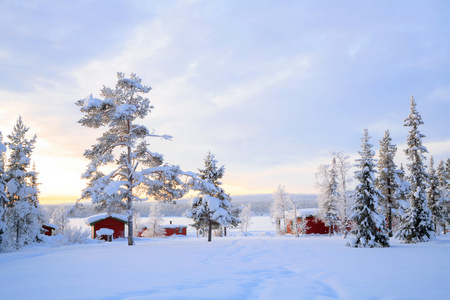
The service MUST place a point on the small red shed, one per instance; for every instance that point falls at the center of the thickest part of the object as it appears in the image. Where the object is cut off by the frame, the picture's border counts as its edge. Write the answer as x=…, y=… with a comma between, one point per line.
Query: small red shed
x=49, y=228
x=112, y=221
x=172, y=229
x=169, y=230
x=307, y=222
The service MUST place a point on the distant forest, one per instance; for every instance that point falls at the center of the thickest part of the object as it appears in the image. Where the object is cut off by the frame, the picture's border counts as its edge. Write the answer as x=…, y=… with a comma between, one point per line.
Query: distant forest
x=260, y=205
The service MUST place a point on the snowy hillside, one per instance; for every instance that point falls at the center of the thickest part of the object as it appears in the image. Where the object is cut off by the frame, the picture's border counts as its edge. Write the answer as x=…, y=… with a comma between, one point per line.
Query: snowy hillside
x=258, y=266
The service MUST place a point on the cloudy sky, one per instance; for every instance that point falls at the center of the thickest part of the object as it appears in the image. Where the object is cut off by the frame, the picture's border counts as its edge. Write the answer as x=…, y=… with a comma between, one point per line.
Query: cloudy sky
x=269, y=87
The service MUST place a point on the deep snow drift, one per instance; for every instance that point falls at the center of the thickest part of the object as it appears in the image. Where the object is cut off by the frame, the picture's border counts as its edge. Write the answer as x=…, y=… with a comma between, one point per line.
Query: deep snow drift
x=259, y=266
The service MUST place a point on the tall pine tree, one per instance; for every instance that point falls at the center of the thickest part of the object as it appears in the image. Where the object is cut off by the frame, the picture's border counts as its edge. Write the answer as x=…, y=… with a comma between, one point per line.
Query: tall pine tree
x=417, y=225
x=137, y=173
x=329, y=195
x=3, y=197
x=212, y=209
x=370, y=226
x=444, y=188
x=388, y=179
x=23, y=215
x=435, y=197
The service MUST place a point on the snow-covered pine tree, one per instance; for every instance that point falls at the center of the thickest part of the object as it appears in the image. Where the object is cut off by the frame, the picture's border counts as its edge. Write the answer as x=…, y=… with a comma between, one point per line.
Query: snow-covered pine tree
x=279, y=207
x=138, y=173
x=370, y=226
x=328, y=195
x=388, y=180
x=3, y=198
x=23, y=215
x=344, y=203
x=212, y=208
x=416, y=224
x=435, y=197
x=444, y=187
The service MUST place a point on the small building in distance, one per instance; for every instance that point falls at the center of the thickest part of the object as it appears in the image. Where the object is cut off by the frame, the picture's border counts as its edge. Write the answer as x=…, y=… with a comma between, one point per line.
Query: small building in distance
x=49, y=229
x=112, y=221
x=307, y=222
x=168, y=230
x=173, y=229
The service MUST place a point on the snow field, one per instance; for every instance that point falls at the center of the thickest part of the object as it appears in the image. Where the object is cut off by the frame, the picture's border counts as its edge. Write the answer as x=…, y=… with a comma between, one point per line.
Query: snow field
x=259, y=266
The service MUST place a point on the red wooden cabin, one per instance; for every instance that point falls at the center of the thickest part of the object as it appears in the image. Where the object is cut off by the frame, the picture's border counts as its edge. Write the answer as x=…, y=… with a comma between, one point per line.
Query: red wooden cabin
x=174, y=229
x=48, y=228
x=115, y=222
x=307, y=222
x=169, y=230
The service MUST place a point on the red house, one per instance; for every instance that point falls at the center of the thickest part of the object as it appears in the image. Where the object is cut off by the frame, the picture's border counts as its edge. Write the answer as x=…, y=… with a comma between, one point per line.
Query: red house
x=48, y=228
x=169, y=230
x=307, y=222
x=174, y=229
x=113, y=221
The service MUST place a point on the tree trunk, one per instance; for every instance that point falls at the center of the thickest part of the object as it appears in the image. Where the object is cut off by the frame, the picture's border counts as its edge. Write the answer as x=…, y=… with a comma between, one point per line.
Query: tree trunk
x=345, y=227
x=130, y=222
x=17, y=234
x=209, y=230
x=130, y=189
x=224, y=231
x=389, y=217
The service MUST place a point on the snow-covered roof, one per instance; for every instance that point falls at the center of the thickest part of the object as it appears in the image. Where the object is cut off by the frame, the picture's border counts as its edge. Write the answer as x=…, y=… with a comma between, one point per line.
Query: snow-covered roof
x=97, y=218
x=304, y=212
x=49, y=225
x=173, y=226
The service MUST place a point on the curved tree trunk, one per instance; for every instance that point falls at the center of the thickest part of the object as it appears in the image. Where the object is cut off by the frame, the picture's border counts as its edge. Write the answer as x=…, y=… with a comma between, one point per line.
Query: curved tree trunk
x=130, y=189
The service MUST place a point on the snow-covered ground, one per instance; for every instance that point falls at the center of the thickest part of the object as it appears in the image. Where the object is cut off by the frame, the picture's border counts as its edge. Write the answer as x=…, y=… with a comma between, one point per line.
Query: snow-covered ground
x=258, y=266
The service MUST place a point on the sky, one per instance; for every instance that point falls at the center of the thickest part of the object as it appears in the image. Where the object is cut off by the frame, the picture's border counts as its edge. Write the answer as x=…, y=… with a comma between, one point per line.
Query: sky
x=269, y=87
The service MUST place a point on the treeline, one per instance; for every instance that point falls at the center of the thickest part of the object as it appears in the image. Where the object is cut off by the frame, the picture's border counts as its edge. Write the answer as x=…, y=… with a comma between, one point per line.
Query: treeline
x=260, y=206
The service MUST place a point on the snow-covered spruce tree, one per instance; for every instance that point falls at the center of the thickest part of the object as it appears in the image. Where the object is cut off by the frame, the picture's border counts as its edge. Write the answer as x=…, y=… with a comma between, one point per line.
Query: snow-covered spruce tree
x=388, y=179
x=435, y=197
x=23, y=215
x=328, y=195
x=3, y=198
x=444, y=188
x=138, y=173
x=279, y=207
x=344, y=203
x=212, y=208
x=416, y=224
x=370, y=226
